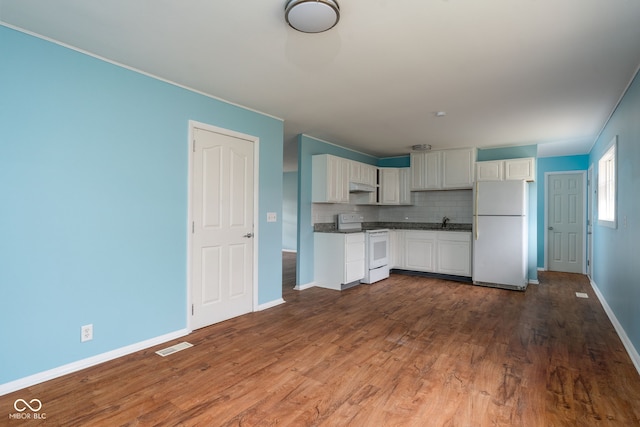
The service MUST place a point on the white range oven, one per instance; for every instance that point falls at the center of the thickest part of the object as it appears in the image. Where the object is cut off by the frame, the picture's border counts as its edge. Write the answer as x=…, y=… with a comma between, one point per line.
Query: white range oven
x=376, y=255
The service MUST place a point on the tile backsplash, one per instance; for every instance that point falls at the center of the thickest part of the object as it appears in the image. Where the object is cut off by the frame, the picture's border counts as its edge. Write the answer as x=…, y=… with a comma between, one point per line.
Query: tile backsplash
x=428, y=206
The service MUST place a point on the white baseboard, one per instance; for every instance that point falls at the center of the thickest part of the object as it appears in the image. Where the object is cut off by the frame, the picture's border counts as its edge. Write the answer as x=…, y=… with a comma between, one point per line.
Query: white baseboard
x=295, y=251
x=270, y=304
x=305, y=286
x=86, y=363
x=534, y=282
x=631, y=350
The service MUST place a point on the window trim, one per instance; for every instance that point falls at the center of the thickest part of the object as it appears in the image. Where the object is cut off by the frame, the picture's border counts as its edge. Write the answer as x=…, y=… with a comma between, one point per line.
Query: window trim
x=610, y=152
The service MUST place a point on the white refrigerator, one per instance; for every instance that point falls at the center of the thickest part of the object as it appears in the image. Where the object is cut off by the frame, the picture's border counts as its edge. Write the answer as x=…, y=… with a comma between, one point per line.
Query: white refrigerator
x=500, y=234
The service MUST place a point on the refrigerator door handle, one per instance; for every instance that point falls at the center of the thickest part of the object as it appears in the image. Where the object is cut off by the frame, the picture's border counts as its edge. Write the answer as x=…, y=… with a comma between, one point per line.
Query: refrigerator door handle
x=475, y=211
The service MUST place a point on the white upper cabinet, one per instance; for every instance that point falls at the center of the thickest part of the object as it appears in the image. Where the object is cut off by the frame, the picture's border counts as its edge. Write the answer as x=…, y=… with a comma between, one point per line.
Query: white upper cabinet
x=389, y=186
x=516, y=169
x=394, y=186
x=490, y=171
x=425, y=171
x=405, y=186
x=329, y=179
x=442, y=170
x=362, y=173
x=457, y=168
x=507, y=170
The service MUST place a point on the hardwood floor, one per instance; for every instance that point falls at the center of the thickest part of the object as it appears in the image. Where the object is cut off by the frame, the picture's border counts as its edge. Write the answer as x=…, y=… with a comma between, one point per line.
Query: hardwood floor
x=402, y=352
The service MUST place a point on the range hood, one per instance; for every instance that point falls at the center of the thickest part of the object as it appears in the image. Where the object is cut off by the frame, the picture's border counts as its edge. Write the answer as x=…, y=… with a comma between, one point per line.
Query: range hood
x=356, y=187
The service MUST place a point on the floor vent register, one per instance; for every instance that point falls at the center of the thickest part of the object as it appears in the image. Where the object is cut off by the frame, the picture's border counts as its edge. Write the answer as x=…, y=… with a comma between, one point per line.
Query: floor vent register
x=173, y=349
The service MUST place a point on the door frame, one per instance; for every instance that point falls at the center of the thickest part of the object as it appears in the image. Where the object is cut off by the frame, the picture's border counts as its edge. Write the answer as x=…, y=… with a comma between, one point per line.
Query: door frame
x=256, y=197
x=584, y=212
x=590, y=214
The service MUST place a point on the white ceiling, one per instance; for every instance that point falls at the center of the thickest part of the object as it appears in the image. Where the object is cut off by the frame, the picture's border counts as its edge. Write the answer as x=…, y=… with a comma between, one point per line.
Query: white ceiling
x=507, y=72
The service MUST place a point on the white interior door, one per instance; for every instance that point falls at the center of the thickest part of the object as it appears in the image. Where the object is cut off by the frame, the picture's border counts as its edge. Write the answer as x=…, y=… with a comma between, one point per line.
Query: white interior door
x=565, y=222
x=222, y=197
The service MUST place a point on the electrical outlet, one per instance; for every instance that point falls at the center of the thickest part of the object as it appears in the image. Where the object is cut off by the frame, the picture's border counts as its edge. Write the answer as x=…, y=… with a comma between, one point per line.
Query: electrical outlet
x=86, y=333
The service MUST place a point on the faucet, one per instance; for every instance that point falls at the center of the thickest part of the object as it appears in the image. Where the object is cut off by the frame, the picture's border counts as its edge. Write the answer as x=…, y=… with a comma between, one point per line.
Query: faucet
x=444, y=221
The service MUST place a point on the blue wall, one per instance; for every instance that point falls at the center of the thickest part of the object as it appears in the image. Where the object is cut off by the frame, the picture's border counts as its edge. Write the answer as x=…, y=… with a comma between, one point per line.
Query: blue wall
x=307, y=147
x=553, y=164
x=395, y=162
x=290, y=211
x=93, y=211
x=615, y=251
x=518, y=153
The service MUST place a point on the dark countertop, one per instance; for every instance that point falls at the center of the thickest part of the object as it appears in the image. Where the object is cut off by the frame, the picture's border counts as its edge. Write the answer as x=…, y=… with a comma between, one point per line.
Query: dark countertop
x=330, y=227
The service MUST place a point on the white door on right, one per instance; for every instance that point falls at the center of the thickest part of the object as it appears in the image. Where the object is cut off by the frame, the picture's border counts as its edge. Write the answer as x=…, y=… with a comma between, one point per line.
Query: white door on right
x=565, y=222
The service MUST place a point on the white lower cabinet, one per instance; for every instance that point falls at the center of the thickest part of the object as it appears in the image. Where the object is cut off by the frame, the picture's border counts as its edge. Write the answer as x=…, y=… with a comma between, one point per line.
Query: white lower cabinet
x=444, y=252
x=338, y=259
x=420, y=250
x=454, y=253
x=396, y=248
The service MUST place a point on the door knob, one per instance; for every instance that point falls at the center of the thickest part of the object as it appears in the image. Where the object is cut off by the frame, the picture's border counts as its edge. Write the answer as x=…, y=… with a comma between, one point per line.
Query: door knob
x=248, y=235
x=550, y=228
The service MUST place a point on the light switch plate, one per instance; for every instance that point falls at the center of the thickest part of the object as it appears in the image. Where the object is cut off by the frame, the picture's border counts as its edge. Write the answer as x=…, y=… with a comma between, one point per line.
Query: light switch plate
x=271, y=217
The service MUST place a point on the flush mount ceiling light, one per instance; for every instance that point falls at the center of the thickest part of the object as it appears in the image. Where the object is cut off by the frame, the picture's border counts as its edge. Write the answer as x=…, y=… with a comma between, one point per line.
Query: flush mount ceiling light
x=421, y=147
x=312, y=16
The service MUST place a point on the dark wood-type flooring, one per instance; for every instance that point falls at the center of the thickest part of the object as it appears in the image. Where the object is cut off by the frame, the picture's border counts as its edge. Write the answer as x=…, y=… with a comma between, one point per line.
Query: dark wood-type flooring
x=406, y=351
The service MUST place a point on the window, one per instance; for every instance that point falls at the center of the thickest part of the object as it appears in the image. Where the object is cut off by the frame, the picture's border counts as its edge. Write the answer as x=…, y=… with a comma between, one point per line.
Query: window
x=607, y=186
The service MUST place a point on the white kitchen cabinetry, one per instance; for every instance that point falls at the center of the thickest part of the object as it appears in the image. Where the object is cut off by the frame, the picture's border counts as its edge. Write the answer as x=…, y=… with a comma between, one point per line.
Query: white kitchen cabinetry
x=355, y=171
x=420, y=250
x=396, y=249
x=329, y=179
x=507, y=170
x=425, y=171
x=454, y=253
x=338, y=259
x=516, y=169
x=394, y=186
x=444, y=252
x=490, y=171
x=362, y=173
x=389, y=186
x=405, y=186
x=457, y=168
x=443, y=170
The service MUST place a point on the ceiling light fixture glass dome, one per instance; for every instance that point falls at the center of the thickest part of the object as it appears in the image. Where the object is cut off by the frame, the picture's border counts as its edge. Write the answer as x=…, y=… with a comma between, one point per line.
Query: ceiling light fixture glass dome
x=312, y=16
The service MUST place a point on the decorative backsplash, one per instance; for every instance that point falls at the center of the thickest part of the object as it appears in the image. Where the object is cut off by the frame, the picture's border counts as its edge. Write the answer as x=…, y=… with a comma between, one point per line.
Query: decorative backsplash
x=428, y=206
